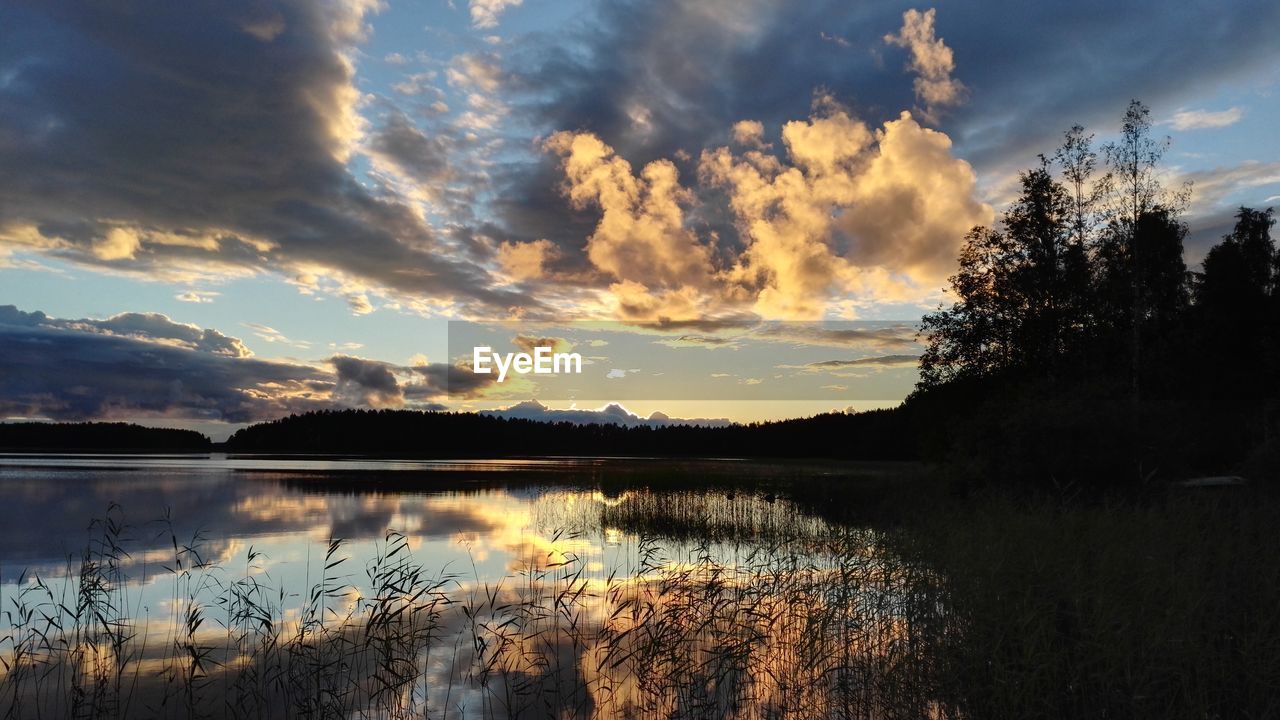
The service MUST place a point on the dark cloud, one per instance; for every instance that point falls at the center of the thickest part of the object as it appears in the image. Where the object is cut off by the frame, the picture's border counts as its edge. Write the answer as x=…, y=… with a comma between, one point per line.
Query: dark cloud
x=140, y=365
x=85, y=369
x=143, y=326
x=423, y=157
x=878, y=361
x=739, y=321
x=375, y=383
x=843, y=334
x=708, y=341
x=207, y=136
x=1036, y=68
x=366, y=382
x=529, y=205
x=665, y=79
x=700, y=66
x=201, y=135
x=454, y=381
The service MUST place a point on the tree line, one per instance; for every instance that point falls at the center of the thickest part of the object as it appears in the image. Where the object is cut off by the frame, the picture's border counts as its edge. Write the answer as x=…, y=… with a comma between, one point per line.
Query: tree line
x=882, y=434
x=98, y=437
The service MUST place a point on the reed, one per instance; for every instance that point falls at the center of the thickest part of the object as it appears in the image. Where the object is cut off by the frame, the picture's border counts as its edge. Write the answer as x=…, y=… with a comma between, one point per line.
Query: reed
x=725, y=609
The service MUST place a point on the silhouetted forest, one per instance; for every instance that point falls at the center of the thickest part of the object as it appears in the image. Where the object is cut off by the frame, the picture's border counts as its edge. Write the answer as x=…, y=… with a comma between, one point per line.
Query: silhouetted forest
x=100, y=437
x=881, y=434
x=1081, y=349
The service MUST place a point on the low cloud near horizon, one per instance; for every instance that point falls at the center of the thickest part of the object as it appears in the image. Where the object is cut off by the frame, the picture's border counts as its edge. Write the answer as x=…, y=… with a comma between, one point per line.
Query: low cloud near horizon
x=137, y=365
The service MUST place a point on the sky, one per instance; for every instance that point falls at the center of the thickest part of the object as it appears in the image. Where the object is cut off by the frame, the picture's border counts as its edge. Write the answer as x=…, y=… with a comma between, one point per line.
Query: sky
x=214, y=213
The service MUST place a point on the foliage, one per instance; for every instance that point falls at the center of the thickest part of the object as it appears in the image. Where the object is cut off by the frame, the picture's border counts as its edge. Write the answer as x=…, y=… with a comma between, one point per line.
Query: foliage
x=1087, y=351
x=112, y=437
x=880, y=434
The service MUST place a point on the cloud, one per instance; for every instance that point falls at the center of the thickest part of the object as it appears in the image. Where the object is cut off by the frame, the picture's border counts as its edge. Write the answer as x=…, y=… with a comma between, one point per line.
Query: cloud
x=269, y=334
x=852, y=210
x=138, y=365
x=359, y=304
x=1216, y=187
x=402, y=148
x=640, y=241
x=885, y=337
x=150, y=327
x=375, y=383
x=912, y=204
x=485, y=13
x=529, y=343
x=877, y=361
x=1217, y=195
x=863, y=335
x=197, y=296
x=419, y=85
x=931, y=60
x=203, y=140
x=709, y=342
x=117, y=244
x=438, y=381
x=1031, y=71
x=749, y=133
x=366, y=382
x=1201, y=119
x=476, y=71
x=526, y=260
x=835, y=40
x=143, y=365
x=195, y=142
x=847, y=210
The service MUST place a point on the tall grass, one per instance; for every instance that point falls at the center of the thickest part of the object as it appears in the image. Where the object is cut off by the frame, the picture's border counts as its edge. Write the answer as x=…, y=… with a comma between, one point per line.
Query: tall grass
x=787, y=629
x=1165, y=609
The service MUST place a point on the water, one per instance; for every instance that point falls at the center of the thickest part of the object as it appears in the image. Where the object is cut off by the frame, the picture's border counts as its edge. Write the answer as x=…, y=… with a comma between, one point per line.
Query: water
x=284, y=508
x=523, y=577
x=483, y=516
x=479, y=521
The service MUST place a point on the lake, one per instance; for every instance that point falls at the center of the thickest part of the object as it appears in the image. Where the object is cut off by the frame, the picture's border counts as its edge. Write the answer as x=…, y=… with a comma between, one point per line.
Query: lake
x=217, y=586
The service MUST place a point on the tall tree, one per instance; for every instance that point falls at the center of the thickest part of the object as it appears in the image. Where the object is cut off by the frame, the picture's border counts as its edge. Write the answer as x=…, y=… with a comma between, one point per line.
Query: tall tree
x=1142, y=222
x=1240, y=277
x=972, y=338
x=1021, y=292
x=1051, y=278
x=1078, y=162
x=1237, y=328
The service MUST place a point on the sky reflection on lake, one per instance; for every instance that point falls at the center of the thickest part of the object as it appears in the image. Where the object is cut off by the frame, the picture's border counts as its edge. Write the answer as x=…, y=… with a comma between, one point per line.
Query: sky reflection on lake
x=481, y=520
x=534, y=583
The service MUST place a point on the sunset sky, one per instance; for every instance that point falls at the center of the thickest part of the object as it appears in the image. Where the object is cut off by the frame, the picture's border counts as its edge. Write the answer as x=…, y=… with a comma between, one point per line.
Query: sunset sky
x=218, y=212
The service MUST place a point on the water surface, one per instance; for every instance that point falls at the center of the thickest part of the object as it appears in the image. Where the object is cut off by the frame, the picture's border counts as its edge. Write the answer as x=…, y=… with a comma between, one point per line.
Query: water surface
x=520, y=584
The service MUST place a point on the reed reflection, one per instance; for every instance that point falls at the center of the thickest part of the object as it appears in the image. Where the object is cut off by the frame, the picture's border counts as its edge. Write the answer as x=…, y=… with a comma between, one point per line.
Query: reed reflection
x=288, y=596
